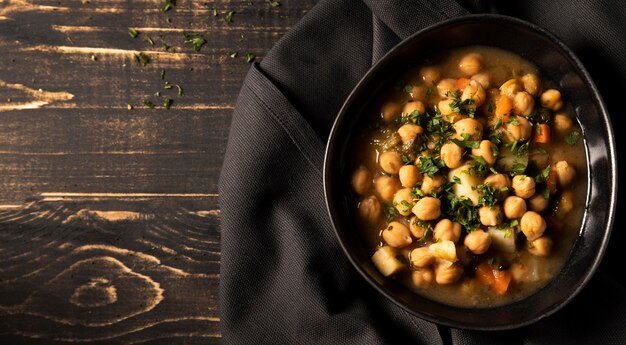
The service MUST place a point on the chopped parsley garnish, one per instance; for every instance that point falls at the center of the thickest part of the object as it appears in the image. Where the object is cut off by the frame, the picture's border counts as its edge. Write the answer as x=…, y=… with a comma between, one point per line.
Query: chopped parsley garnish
x=489, y=195
x=491, y=108
x=273, y=3
x=228, y=18
x=480, y=166
x=197, y=42
x=572, y=137
x=167, y=103
x=133, y=33
x=168, y=5
x=543, y=175
x=498, y=123
x=520, y=148
x=250, y=57
x=429, y=166
x=232, y=54
x=390, y=213
x=472, y=144
x=424, y=225
x=141, y=59
x=405, y=159
x=512, y=120
x=461, y=210
x=517, y=169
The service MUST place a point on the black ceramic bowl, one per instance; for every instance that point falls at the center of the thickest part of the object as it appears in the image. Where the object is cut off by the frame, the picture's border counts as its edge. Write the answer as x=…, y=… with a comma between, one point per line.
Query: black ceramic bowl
x=557, y=63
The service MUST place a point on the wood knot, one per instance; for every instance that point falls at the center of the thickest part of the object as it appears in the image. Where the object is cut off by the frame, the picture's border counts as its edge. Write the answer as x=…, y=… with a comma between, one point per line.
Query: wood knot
x=97, y=292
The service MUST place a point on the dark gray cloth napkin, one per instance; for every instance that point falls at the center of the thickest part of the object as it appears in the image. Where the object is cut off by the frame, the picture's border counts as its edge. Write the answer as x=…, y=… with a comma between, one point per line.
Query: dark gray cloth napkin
x=284, y=277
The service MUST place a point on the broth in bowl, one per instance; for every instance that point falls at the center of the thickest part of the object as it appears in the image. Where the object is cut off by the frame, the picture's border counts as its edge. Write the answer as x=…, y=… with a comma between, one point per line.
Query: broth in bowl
x=468, y=178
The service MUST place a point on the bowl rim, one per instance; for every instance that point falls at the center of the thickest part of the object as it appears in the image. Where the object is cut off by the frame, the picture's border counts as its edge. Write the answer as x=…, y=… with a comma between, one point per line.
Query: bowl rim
x=611, y=154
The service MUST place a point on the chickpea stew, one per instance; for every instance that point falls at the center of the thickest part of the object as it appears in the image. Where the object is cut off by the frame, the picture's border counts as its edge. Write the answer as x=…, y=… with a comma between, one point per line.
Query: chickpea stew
x=469, y=178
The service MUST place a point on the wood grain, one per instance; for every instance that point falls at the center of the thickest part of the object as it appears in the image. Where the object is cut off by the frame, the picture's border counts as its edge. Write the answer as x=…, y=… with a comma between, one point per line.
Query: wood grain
x=109, y=220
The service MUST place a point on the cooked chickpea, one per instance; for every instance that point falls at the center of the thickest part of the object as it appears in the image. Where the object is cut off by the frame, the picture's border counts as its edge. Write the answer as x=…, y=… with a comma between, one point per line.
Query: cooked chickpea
x=498, y=181
x=409, y=132
x=412, y=106
x=419, y=93
x=475, y=92
x=471, y=127
x=422, y=257
x=565, y=173
x=514, y=207
x=445, y=108
x=531, y=83
x=361, y=180
x=565, y=204
x=538, y=203
x=416, y=229
x=447, y=273
x=517, y=130
x=486, y=149
x=562, y=124
x=447, y=230
x=427, y=208
x=403, y=201
x=386, y=187
x=390, y=162
x=409, y=176
x=422, y=277
x=490, y=215
x=533, y=225
x=483, y=78
x=541, y=246
x=510, y=87
x=523, y=103
x=430, y=74
x=370, y=210
x=471, y=64
x=523, y=186
x=452, y=155
x=390, y=111
x=433, y=184
x=551, y=99
x=446, y=86
x=397, y=235
x=477, y=241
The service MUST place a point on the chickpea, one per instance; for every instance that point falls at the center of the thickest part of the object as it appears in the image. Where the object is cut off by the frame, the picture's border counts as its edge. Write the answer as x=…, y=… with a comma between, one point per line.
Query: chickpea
x=523, y=103
x=533, y=225
x=419, y=93
x=532, y=83
x=433, y=184
x=477, y=241
x=397, y=235
x=514, y=207
x=422, y=277
x=541, y=246
x=551, y=99
x=447, y=273
x=386, y=187
x=445, y=87
x=510, y=87
x=361, y=180
x=427, y=208
x=486, y=149
x=565, y=204
x=403, y=201
x=409, y=176
x=430, y=74
x=523, y=186
x=471, y=127
x=370, y=210
x=390, y=162
x=476, y=92
x=565, y=173
x=416, y=229
x=390, y=111
x=562, y=124
x=422, y=257
x=409, y=132
x=483, y=78
x=490, y=215
x=447, y=230
x=517, y=130
x=471, y=64
x=538, y=203
x=410, y=107
x=452, y=155
x=444, y=107
x=498, y=181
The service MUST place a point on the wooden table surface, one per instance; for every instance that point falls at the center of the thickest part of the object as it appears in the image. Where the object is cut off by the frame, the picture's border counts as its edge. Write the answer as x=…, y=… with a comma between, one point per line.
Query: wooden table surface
x=109, y=216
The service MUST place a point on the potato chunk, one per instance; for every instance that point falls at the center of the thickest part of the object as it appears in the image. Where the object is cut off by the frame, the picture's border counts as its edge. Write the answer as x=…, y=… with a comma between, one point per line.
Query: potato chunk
x=386, y=261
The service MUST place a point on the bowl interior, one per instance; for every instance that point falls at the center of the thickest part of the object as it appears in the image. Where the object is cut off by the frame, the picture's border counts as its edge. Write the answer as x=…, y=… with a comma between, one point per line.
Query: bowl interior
x=557, y=63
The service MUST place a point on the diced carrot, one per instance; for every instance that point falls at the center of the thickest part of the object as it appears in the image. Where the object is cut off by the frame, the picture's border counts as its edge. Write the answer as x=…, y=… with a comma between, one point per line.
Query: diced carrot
x=484, y=274
x=542, y=133
x=502, y=281
x=503, y=108
x=551, y=182
x=462, y=83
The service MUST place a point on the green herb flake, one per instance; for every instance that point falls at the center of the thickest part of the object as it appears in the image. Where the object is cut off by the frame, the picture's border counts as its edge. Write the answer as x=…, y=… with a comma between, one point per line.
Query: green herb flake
x=273, y=3
x=408, y=88
x=197, y=42
x=162, y=74
x=149, y=40
x=180, y=90
x=141, y=59
x=491, y=108
x=512, y=120
x=405, y=159
x=147, y=103
x=466, y=143
x=94, y=58
x=157, y=94
x=572, y=137
x=390, y=213
x=168, y=5
x=232, y=54
x=250, y=57
x=133, y=33
x=214, y=11
x=167, y=103
x=229, y=17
